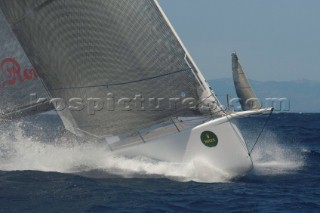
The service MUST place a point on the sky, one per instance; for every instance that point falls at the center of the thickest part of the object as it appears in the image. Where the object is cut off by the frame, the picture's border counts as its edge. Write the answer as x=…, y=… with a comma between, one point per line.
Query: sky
x=276, y=40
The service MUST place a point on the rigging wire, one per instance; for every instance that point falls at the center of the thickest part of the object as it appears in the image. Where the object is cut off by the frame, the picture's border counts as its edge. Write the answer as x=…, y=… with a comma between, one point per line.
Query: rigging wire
x=262, y=130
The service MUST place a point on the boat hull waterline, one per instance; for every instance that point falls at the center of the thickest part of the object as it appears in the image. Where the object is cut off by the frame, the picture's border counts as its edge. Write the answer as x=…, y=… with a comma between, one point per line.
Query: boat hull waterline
x=217, y=143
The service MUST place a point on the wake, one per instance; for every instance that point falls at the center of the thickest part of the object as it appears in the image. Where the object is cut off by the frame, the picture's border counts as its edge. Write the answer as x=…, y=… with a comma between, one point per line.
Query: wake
x=68, y=155
x=19, y=152
x=272, y=157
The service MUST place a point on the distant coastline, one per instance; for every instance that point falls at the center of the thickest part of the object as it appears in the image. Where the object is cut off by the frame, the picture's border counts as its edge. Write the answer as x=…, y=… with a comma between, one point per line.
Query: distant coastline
x=303, y=94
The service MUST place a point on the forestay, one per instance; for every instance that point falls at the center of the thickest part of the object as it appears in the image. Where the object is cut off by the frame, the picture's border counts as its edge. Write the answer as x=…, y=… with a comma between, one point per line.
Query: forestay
x=116, y=66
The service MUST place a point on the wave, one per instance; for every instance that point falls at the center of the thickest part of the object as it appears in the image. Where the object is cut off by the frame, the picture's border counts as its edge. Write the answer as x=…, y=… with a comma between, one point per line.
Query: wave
x=65, y=154
x=68, y=155
x=272, y=156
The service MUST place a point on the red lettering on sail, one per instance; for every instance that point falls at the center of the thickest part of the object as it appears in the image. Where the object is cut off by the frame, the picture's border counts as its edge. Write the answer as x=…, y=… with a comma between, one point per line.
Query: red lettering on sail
x=11, y=74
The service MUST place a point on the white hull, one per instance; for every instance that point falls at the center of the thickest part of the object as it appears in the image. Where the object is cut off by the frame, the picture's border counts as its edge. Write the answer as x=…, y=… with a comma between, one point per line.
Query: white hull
x=230, y=156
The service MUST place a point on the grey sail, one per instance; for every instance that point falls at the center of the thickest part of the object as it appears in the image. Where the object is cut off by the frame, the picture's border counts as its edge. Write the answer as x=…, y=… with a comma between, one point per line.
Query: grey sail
x=20, y=86
x=247, y=98
x=111, y=66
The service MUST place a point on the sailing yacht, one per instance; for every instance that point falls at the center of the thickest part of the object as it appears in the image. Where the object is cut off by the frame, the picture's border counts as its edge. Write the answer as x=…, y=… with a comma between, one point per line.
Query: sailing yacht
x=116, y=71
x=248, y=100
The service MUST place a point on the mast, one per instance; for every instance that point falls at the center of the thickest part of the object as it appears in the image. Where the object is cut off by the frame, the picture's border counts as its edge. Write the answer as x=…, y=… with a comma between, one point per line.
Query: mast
x=112, y=67
x=209, y=95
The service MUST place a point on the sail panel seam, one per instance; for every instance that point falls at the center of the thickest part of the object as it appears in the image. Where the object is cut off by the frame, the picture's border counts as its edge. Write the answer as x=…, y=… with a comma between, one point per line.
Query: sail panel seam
x=122, y=83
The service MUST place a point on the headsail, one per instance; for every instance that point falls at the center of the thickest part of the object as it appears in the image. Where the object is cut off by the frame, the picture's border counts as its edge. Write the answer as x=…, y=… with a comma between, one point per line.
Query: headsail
x=247, y=98
x=19, y=83
x=113, y=66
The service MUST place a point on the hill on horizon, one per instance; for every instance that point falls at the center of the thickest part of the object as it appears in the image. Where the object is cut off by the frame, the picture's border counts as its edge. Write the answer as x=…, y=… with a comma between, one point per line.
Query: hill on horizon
x=303, y=95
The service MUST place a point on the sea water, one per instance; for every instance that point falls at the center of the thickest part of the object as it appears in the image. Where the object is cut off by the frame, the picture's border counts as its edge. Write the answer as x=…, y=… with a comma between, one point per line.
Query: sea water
x=44, y=169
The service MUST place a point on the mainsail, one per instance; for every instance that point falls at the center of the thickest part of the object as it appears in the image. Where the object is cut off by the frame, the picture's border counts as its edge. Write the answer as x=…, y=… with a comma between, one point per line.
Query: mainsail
x=20, y=85
x=111, y=66
x=247, y=98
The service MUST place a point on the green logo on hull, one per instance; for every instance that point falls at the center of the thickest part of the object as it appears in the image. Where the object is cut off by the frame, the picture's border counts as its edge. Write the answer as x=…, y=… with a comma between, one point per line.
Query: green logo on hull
x=209, y=139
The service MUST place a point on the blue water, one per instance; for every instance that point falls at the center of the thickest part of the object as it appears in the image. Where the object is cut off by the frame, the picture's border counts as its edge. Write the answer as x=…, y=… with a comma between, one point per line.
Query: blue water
x=43, y=169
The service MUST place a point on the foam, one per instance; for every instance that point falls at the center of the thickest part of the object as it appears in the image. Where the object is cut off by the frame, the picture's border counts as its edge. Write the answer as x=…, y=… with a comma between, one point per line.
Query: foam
x=276, y=157
x=67, y=155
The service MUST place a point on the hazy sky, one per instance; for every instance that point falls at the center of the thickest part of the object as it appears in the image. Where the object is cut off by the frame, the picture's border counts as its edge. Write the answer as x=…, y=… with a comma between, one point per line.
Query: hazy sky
x=274, y=39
